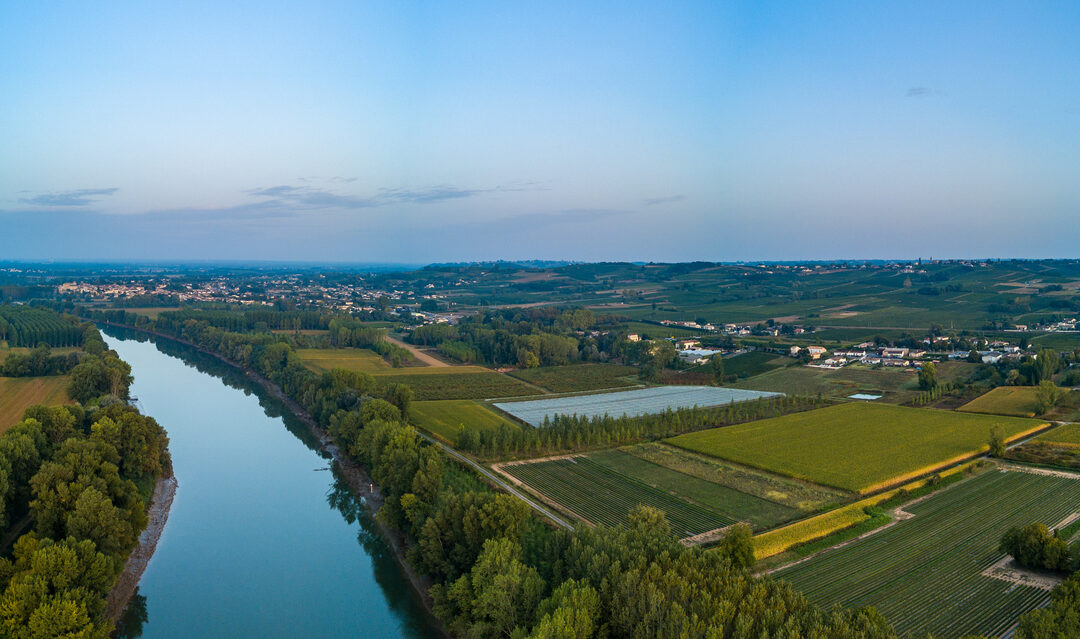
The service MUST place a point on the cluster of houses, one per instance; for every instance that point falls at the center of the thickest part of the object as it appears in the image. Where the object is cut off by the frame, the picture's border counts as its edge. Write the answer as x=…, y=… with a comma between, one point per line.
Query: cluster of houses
x=870, y=354
x=865, y=353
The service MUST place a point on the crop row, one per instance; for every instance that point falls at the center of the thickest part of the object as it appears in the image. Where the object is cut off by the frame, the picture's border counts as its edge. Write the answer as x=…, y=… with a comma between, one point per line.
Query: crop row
x=578, y=377
x=603, y=496
x=924, y=573
x=459, y=386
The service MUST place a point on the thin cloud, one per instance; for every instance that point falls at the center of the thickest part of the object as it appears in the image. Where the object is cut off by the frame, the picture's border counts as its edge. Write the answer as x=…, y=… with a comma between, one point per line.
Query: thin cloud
x=318, y=198
x=922, y=92
x=79, y=197
x=667, y=199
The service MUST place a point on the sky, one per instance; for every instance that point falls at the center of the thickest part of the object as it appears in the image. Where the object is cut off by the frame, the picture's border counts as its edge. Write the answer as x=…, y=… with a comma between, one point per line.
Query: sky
x=420, y=132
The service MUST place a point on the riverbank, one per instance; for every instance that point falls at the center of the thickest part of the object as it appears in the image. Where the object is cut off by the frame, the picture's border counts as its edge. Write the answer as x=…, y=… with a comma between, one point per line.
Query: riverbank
x=128, y=581
x=359, y=482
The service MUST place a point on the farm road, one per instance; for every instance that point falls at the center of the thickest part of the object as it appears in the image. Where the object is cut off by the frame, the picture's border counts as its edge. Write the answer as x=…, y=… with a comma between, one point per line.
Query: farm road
x=417, y=353
x=499, y=482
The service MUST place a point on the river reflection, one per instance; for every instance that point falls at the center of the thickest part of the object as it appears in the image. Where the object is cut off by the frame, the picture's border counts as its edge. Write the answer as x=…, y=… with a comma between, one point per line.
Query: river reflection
x=262, y=540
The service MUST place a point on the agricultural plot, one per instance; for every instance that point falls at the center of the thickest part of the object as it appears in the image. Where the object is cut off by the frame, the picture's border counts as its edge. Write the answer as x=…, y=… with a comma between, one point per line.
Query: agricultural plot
x=895, y=383
x=859, y=447
x=646, y=401
x=734, y=504
x=446, y=418
x=1066, y=435
x=360, y=360
x=600, y=495
x=1004, y=400
x=579, y=377
x=754, y=363
x=924, y=574
x=1059, y=447
x=799, y=495
x=19, y=393
x=451, y=384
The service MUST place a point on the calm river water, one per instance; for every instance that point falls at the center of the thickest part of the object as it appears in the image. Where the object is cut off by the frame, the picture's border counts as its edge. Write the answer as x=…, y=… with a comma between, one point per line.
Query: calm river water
x=262, y=540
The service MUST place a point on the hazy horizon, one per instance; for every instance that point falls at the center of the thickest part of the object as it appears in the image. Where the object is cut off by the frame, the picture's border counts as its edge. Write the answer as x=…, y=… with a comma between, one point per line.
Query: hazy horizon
x=345, y=133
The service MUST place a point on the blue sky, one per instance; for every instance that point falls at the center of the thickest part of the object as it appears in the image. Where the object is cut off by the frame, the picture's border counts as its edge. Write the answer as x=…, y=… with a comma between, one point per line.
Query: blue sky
x=418, y=132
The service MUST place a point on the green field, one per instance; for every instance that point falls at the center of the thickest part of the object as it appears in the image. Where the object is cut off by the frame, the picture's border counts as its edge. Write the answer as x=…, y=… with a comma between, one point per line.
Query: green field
x=655, y=331
x=1004, y=400
x=754, y=363
x=897, y=384
x=19, y=393
x=361, y=360
x=579, y=377
x=151, y=311
x=854, y=446
x=600, y=495
x=799, y=495
x=732, y=503
x=924, y=574
x=1067, y=435
x=446, y=418
x=452, y=384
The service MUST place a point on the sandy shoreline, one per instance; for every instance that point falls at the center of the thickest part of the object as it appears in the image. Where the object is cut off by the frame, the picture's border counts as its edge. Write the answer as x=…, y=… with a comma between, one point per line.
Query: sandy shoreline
x=128, y=581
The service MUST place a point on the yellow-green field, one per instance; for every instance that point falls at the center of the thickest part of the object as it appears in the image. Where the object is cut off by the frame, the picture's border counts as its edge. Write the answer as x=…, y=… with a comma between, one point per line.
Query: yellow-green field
x=367, y=361
x=1065, y=436
x=361, y=360
x=151, y=311
x=19, y=393
x=1004, y=400
x=446, y=418
x=856, y=446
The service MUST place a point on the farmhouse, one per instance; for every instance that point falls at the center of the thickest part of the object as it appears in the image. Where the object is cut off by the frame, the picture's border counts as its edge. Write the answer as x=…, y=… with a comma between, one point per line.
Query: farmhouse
x=633, y=337
x=894, y=352
x=687, y=344
x=795, y=350
x=991, y=357
x=815, y=351
x=697, y=355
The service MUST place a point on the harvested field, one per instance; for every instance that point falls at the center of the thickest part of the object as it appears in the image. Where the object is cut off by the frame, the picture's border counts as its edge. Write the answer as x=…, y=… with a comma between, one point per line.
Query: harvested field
x=633, y=403
x=19, y=393
x=924, y=574
x=859, y=447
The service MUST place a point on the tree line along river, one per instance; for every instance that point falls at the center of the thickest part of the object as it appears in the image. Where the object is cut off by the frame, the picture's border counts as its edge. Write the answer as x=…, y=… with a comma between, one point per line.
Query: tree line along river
x=262, y=540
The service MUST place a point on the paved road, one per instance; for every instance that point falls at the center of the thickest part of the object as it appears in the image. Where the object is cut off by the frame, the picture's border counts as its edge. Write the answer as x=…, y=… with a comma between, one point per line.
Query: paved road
x=498, y=481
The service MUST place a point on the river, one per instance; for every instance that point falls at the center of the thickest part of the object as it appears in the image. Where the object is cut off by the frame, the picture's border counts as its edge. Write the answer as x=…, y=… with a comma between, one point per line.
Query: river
x=263, y=540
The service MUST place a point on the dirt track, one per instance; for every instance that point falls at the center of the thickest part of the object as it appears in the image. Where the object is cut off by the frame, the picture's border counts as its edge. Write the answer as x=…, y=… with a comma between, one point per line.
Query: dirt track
x=417, y=353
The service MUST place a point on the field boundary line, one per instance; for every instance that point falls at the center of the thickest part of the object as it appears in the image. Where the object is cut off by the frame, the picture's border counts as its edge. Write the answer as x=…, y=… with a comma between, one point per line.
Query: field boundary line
x=1020, y=468
x=539, y=495
x=419, y=354
x=497, y=481
x=708, y=535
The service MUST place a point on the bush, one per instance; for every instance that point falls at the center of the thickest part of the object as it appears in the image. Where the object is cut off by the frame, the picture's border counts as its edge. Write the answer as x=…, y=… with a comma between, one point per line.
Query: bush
x=1034, y=546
